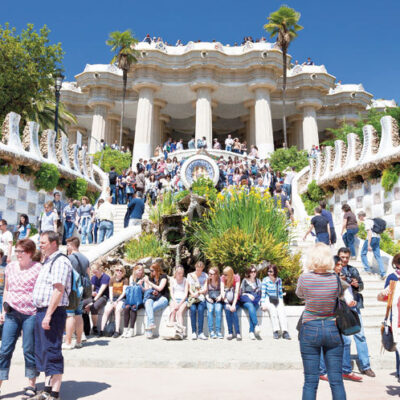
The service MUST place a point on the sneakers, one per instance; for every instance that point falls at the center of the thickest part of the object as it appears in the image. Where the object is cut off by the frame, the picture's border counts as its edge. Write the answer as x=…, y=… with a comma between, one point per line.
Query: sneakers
x=66, y=346
x=125, y=333
x=323, y=378
x=238, y=337
x=213, y=335
x=202, y=336
x=383, y=277
x=276, y=335
x=101, y=334
x=151, y=327
x=194, y=336
x=352, y=377
x=257, y=330
x=285, y=335
x=230, y=336
x=78, y=345
x=219, y=335
x=42, y=395
x=252, y=336
x=83, y=338
x=369, y=373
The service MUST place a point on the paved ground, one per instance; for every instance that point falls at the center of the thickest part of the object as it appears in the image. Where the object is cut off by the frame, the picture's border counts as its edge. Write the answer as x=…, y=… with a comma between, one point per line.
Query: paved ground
x=199, y=384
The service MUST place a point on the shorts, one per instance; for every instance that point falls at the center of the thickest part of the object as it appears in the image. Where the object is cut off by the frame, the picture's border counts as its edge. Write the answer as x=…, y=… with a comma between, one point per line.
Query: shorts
x=77, y=311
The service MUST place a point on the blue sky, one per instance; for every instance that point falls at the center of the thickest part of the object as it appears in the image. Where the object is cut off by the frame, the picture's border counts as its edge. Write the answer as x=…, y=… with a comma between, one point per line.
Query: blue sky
x=357, y=40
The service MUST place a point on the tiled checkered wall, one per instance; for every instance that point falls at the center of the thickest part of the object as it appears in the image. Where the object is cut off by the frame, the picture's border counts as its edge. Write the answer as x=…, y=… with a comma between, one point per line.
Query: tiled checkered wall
x=18, y=196
x=371, y=198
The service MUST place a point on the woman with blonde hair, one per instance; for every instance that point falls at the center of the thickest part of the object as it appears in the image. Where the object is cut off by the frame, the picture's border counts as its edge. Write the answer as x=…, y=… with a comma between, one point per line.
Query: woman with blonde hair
x=214, y=303
x=230, y=285
x=179, y=292
x=156, y=295
x=318, y=332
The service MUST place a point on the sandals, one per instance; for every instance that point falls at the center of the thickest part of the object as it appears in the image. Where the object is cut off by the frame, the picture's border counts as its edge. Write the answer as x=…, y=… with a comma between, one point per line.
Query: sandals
x=29, y=392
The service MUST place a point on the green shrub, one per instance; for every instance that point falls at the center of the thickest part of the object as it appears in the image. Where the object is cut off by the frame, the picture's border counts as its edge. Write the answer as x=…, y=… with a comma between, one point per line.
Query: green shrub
x=180, y=195
x=312, y=197
x=166, y=205
x=47, y=177
x=390, y=177
x=205, y=187
x=292, y=157
x=5, y=168
x=147, y=245
x=77, y=189
x=113, y=158
x=92, y=196
x=387, y=244
x=25, y=170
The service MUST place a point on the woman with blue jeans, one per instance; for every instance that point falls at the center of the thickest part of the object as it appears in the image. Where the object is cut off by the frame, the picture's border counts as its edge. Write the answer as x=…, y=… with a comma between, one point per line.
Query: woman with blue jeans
x=214, y=303
x=250, y=299
x=318, y=331
x=230, y=286
x=350, y=225
x=155, y=297
x=19, y=313
x=197, y=281
x=85, y=213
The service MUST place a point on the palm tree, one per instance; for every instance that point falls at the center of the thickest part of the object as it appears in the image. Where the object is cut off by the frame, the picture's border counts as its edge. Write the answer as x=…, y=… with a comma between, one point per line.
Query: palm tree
x=123, y=45
x=283, y=24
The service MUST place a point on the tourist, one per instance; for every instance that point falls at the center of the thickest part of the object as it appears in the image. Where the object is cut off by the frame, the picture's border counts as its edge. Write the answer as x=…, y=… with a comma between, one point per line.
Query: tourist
x=353, y=277
x=158, y=151
x=197, y=282
x=243, y=148
x=230, y=285
x=130, y=184
x=236, y=146
x=228, y=143
x=69, y=215
x=179, y=145
x=151, y=189
x=250, y=297
x=140, y=181
x=116, y=287
x=130, y=310
x=85, y=213
x=24, y=227
x=216, y=145
x=115, y=145
x=214, y=303
x=106, y=214
x=147, y=39
x=281, y=199
x=95, y=220
x=80, y=264
x=48, y=218
x=135, y=210
x=253, y=151
x=308, y=62
x=350, y=225
x=100, y=294
x=272, y=301
x=50, y=296
x=321, y=226
x=287, y=182
x=371, y=243
x=19, y=313
x=328, y=215
x=191, y=144
x=179, y=292
x=156, y=297
x=58, y=206
x=112, y=177
x=121, y=186
x=318, y=331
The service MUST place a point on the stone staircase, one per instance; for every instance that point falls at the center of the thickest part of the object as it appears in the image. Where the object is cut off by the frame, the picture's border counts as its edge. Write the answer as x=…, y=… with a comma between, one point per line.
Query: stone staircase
x=119, y=217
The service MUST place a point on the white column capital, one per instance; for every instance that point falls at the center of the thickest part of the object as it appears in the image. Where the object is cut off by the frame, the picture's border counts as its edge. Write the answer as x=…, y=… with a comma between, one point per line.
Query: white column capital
x=139, y=86
x=203, y=85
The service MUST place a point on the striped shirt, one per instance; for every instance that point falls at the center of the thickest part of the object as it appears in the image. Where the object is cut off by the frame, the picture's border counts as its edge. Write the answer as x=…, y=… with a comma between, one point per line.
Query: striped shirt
x=60, y=272
x=269, y=288
x=320, y=292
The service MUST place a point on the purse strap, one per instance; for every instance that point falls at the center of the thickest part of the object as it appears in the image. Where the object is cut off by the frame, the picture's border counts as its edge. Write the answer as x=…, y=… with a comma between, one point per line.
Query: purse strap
x=392, y=287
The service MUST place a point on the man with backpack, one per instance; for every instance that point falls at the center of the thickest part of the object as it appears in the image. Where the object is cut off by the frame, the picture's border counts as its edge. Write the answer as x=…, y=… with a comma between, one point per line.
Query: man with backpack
x=374, y=227
x=74, y=323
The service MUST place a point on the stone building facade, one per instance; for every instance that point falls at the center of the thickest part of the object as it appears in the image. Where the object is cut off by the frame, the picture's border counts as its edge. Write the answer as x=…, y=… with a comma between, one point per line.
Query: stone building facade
x=209, y=90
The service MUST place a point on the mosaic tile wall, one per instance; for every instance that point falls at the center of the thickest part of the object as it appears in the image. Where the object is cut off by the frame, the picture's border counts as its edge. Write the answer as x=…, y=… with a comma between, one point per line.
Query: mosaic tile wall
x=18, y=196
x=371, y=198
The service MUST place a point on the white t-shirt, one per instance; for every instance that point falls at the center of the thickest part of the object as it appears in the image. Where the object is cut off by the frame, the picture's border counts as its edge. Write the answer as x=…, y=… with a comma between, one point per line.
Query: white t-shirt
x=228, y=142
x=369, y=223
x=202, y=279
x=289, y=177
x=48, y=219
x=5, y=239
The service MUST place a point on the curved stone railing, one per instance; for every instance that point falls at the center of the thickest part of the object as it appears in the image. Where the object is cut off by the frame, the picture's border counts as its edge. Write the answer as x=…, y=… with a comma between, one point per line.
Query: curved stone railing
x=181, y=154
x=356, y=159
x=69, y=159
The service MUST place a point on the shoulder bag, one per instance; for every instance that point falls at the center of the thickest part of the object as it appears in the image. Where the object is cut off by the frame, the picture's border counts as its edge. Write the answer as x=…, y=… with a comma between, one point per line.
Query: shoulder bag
x=388, y=342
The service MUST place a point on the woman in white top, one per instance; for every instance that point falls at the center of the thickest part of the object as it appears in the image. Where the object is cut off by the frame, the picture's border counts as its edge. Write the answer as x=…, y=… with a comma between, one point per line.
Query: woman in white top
x=178, y=292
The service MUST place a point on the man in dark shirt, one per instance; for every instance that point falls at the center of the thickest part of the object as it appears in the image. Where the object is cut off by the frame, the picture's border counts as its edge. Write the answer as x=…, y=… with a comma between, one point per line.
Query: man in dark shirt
x=321, y=226
x=112, y=176
x=135, y=209
x=353, y=277
x=327, y=215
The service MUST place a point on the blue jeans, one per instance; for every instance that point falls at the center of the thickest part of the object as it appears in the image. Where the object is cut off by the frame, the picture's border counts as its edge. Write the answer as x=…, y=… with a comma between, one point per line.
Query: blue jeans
x=121, y=196
x=361, y=345
x=316, y=336
x=197, y=310
x=322, y=238
x=69, y=227
x=346, y=366
x=152, y=306
x=86, y=230
x=348, y=239
x=252, y=309
x=288, y=189
x=13, y=324
x=105, y=230
x=113, y=193
x=377, y=254
x=211, y=309
x=232, y=320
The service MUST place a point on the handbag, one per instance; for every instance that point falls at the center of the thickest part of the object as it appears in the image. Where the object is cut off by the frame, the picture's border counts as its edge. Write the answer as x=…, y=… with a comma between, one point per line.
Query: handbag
x=275, y=299
x=347, y=320
x=388, y=342
x=109, y=329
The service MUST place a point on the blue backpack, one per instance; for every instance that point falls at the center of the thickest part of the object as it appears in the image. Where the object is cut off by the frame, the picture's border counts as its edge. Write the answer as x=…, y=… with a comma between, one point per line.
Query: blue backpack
x=134, y=295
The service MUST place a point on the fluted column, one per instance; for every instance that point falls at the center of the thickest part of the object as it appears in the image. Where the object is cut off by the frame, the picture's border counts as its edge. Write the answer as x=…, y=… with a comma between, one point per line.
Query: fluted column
x=251, y=133
x=98, y=127
x=310, y=105
x=156, y=136
x=144, y=123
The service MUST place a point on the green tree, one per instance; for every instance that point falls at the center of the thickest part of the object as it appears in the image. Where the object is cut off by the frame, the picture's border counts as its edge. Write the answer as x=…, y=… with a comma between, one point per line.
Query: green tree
x=27, y=64
x=292, y=157
x=113, y=158
x=283, y=24
x=123, y=45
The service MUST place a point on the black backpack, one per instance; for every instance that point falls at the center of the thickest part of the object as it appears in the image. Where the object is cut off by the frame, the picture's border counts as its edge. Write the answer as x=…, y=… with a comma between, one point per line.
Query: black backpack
x=379, y=225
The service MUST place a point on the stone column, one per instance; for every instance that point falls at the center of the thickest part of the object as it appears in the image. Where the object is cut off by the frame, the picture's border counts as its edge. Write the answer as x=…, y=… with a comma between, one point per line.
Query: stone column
x=296, y=131
x=264, y=134
x=156, y=136
x=251, y=132
x=164, y=132
x=310, y=126
x=144, y=122
x=112, y=128
x=204, y=112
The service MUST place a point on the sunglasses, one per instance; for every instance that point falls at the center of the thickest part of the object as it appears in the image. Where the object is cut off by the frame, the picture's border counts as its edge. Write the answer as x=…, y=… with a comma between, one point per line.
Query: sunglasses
x=118, y=270
x=253, y=271
x=270, y=272
x=152, y=270
x=211, y=273
x=19, y=251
